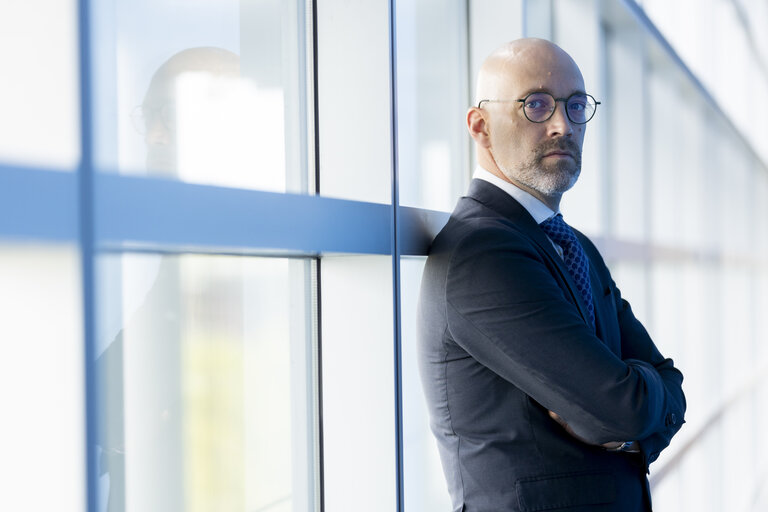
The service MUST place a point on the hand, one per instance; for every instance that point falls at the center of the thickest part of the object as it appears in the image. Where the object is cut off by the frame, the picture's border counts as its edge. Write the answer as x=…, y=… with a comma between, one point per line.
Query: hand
x=612, y=445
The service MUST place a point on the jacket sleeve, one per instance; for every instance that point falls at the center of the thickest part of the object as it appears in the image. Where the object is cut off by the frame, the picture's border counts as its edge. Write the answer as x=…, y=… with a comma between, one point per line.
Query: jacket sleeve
x=637, y=346
x=506, y=308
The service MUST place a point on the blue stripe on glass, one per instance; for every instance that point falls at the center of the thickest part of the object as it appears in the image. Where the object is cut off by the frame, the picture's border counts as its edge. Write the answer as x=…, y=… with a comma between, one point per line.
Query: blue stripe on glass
x=168, y=215
x=36, y=204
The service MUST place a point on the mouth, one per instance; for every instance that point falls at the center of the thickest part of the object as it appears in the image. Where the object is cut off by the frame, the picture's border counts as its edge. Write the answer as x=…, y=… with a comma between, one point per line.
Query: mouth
x=559, y=154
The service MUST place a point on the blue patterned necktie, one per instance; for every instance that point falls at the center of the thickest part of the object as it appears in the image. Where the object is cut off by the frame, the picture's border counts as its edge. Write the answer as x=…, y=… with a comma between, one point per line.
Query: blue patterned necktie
x=575, y=259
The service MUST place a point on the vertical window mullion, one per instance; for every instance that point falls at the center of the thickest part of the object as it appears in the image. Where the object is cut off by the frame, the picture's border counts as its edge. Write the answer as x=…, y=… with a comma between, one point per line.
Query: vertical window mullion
x=87, y=248
x=397, y=339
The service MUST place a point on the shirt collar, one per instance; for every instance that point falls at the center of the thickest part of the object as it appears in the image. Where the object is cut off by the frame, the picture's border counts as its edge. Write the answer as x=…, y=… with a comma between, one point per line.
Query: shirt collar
x=538, y=210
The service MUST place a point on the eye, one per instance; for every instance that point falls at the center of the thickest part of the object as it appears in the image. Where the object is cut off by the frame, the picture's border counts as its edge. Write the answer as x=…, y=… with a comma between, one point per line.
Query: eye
x=539, y=102
x=577, y=105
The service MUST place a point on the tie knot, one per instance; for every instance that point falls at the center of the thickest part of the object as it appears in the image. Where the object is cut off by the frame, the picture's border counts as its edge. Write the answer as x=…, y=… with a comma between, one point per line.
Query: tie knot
x=560, y=232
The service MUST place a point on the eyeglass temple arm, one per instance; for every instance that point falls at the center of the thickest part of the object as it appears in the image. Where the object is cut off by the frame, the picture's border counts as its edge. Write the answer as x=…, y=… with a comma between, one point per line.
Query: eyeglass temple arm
x=480, y=103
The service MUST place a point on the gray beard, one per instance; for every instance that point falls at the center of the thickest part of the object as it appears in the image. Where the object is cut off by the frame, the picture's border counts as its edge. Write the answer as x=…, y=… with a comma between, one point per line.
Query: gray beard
x=552, y=180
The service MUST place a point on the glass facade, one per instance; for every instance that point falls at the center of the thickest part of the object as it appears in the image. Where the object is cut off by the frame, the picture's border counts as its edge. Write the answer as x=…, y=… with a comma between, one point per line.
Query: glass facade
x=203, y=368
x=41, y=120
x=213, y=306
x=214, y=93
x=41, y=373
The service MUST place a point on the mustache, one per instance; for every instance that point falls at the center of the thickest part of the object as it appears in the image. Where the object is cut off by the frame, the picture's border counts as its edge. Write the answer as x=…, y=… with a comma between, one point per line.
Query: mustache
x=561, y=144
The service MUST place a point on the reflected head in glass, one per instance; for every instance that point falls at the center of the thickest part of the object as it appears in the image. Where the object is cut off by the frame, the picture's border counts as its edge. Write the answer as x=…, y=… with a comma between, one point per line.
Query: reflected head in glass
x=539, y=107
x=184, y=79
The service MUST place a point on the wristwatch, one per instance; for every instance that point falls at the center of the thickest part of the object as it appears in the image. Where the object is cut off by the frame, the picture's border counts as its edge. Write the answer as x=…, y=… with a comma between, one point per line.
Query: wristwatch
x=626, y=446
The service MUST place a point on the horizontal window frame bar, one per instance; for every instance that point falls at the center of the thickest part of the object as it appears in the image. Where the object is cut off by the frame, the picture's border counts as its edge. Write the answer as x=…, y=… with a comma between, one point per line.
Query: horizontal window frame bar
x=40, y=205
x=129, y=210
x=132, y=214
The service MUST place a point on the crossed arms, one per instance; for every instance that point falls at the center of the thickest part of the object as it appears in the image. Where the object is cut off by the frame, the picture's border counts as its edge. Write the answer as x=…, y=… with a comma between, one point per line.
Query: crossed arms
x=508, y=309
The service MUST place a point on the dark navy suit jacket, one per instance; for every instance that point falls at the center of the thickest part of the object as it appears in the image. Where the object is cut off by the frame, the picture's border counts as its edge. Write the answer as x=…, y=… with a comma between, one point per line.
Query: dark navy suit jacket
x=503, y=340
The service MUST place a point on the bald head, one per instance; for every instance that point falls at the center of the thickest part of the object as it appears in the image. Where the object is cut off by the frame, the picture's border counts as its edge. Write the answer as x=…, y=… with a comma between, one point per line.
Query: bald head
x=209, y=60
x=542, y=157
x=160, y=101
x=520, y=61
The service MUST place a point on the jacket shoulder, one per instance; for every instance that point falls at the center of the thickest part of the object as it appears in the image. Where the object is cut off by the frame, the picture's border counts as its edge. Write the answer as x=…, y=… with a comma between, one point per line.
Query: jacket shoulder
x=472, y=222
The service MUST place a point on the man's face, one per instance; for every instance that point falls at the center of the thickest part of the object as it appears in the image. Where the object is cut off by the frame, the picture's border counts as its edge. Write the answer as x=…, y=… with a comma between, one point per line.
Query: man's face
x=544, y=157
x=159, y=115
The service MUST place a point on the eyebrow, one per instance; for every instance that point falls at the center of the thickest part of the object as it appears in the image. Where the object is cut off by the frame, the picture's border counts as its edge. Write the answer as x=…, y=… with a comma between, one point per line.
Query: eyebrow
x=544, y=89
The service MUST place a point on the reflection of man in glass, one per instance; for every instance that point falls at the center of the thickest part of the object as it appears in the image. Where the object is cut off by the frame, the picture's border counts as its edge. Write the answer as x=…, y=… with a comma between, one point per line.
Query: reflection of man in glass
x=140, y=371
x=157, y=118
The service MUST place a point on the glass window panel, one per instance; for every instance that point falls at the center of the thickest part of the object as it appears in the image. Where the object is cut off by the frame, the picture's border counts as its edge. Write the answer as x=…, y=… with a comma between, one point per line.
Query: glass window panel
x=737, y=361
x=432, y=103
x=41, y=379
x=701, y=350
x=623, y=112
x=491, y=24
x=738, y=477
x=206, y=400
x=354, y=100
x=358, y=383
x=577, y=31
x=701, y=475
x=665, y=159
x=210, y=91
x=735, y=196
x=632, y=279
x=667, y=294
x=760, y=276
x=538, y=19
x=690, y=143
x=425, y=485
x=713, y=215
x=40, y=122
x=759, y=213
x=761, y=412
x=667, y=494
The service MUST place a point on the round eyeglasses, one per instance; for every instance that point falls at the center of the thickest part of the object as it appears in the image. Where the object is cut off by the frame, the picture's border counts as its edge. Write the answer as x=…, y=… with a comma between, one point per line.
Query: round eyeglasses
x=539, y=107
x=144, y=115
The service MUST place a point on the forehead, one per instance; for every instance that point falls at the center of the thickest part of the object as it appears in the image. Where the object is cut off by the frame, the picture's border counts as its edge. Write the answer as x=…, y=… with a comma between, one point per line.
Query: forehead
x=542, y=69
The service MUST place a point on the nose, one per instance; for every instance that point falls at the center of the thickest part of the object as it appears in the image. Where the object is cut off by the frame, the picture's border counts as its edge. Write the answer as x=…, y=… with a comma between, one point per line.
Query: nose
x=559, y=125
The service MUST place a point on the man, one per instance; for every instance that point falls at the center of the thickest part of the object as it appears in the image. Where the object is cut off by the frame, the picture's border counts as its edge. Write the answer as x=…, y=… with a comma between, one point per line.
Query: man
x=154, y=332
x=545, y=392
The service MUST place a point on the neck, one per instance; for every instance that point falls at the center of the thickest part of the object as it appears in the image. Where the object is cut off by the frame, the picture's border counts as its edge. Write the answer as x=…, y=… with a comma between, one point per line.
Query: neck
x=552, y=201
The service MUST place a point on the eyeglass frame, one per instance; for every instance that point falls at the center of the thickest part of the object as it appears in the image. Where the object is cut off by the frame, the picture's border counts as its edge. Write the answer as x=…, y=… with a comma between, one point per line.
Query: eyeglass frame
x=552, y=112
x=141, y=119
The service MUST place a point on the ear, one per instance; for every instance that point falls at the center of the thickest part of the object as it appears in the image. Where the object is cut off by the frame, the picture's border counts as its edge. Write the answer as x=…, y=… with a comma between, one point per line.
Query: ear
x=478, y=127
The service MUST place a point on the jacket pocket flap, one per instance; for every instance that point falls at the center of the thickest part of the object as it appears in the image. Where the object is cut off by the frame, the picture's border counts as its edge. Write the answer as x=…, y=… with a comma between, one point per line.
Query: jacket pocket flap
x=550, y=492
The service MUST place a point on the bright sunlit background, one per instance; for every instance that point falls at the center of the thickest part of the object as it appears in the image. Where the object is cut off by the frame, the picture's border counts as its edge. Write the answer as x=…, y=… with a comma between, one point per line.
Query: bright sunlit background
x=241, y=366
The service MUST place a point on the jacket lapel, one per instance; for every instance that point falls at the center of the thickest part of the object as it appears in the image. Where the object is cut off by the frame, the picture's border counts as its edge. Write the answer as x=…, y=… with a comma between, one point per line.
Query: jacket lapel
x=505, y=205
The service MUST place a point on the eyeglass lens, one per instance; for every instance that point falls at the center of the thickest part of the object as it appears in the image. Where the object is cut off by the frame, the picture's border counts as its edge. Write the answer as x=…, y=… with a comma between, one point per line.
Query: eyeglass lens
x=540, y=106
